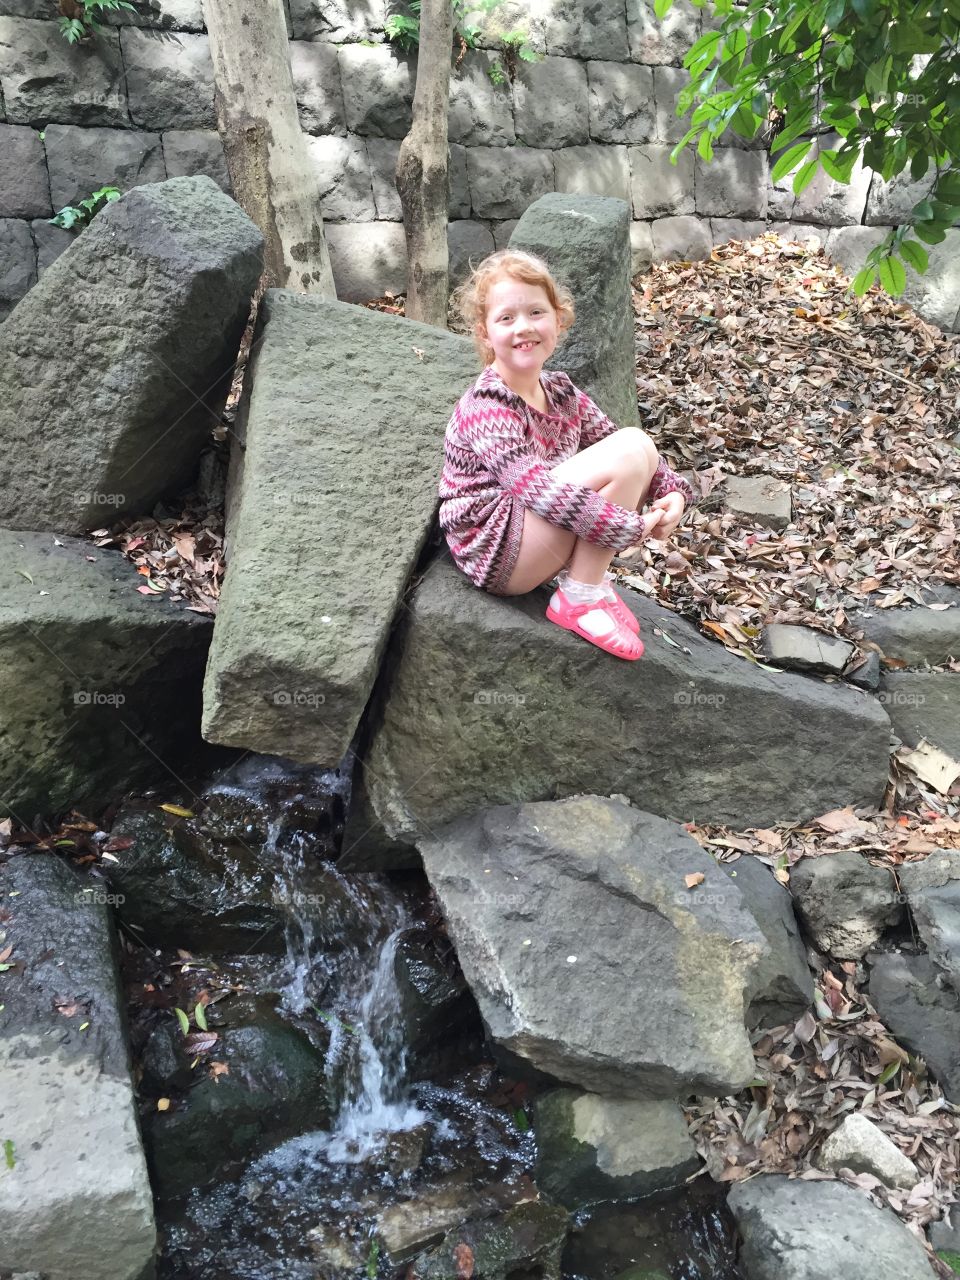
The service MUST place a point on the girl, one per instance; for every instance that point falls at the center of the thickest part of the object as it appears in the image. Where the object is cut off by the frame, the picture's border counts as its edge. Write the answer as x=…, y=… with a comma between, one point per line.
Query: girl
x=536, y=479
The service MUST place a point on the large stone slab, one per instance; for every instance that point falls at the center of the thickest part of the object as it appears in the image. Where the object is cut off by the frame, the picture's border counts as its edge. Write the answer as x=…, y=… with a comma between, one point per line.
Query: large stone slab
x=75, y=1198
x=151, y=302
x=586, y=242
x=90, y=667
x=478, y=713
x=798, y=1230
x=588, y=959
x=343, y=441
x=83, y=160
x=845, y=902
x=919, y=635
x=169, y=79
x=550, y=103
x=44, y=78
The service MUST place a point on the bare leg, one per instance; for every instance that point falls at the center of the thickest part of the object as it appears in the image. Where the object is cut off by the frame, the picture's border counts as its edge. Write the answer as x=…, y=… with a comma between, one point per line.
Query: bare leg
x=620, y=468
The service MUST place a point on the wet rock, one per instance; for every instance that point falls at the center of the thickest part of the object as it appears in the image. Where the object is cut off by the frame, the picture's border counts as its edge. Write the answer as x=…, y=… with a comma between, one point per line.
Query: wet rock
x=160, y=280
x=763, y=499
x=525, y=1241
x=858, y=1144
x=844, y=902
x=804, y=649
x=436, y=1006
x=275, y=1087
x=465, y=692
x=182, y=886
x=301, y=631
x=586, y=240
x=593, y=1148
x=798, y=1230
x=539, y=900
x=408, y=1228
x=782, y=982
x=76, y=1201
x=922, y=1009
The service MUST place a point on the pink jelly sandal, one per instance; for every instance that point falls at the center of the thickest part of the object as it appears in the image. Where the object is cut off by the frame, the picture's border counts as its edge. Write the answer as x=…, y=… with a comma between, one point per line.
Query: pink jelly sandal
x=620, y=611
x=621, y=642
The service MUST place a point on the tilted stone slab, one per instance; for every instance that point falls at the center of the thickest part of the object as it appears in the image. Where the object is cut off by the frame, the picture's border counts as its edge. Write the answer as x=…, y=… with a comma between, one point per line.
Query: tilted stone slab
x=343, y=448
x=109, y=408
x=76, y=1201
x=587, y=954
x=99, y=685
x=917, y=636
x=586, y=242
x=491, y=704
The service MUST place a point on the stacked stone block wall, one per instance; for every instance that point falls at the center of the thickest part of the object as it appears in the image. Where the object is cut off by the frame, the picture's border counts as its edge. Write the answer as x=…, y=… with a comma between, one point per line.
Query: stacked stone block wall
x=595, y=115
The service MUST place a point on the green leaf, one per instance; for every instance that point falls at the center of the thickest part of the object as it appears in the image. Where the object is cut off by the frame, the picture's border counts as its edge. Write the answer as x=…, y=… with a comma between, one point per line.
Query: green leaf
x=893, y=277
x=200, y=1017
x=183, y=1020
x=834, y=14
x=520, y=1120
x=373, y=1258
x=929, y=232
x=863, y=280
x=8, y=1155
x=863, y=8
x=705, y=147
x=790, y=159
x=662, y=7
x=916, y=255
x=919, y=165
x=702, y=52
x=889, y=1071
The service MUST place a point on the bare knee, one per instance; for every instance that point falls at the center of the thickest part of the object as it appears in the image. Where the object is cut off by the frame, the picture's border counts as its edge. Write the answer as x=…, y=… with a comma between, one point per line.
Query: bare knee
x=637, y=450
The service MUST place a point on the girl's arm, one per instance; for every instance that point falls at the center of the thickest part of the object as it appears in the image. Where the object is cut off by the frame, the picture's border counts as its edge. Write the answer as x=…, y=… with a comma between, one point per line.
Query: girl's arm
x=495, y=433
x=595, y=426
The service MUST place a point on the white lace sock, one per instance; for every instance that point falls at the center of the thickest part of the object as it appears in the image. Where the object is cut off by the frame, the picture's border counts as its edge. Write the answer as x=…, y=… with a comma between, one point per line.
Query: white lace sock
x=597, y=622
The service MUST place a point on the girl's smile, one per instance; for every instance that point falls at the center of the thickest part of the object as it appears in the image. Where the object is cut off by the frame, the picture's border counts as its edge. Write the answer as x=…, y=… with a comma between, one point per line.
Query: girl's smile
x=521, y=327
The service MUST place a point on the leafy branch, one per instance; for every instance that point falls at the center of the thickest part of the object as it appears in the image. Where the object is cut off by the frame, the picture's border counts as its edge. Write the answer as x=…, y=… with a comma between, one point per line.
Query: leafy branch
x=79, y=19
x=71, y=215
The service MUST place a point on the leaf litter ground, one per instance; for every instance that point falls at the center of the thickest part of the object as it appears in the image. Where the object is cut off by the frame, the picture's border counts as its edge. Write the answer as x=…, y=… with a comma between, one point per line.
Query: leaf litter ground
x=759, y=361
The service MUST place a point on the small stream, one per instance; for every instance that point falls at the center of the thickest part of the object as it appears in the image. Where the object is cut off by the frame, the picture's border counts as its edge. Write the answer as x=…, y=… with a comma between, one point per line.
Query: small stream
x=414, y=1136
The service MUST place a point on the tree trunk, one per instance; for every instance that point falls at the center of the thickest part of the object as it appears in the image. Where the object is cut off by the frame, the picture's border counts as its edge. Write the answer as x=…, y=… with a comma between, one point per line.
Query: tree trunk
x=422, y=177
x=270, y=169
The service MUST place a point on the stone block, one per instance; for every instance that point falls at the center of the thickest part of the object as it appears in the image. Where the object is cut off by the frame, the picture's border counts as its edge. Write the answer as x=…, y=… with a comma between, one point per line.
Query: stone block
x=468, y=244
x=667, y=83
x=502, y=231
x=503, y=184
x=622, y=106
x=593, y=171
x=764, y=500
x=586, y=241
x=918, y=636
x=825, y=201
x=587, y=29
x=641, y=247
x=24, y=9
x=731, y=185
x=343, y=178
x=297, y=645
x=550, y=103
x=378, y=86
x=934, y=295
x=87, y=661
x=845, y=903
x=530, y=16
x=658, y=188
x=659, y=41
x=24, y=186
x=922, y=1009
x=80, y=84
x=167, y=15
x=480, y=112
x=77, y=1201
x=316, y=83
x=83, y=160
x=340, y=21
x=794, y=648
x=861, y=1146
x=382, y=154
x=50, y=241
x=367, y=258
x=724, y=229
x=151, y=299
x=680, y=239
x=799, y=232
x=18, y=263
x=187, y=152
x=169, y=80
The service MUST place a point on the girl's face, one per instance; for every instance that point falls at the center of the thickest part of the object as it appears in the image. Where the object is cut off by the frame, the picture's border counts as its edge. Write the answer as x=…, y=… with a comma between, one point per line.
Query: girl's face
x=520, y=325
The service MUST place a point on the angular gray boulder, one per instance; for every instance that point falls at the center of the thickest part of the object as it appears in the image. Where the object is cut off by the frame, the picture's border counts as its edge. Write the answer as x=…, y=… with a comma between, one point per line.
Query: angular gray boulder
x=922, y=1009
x=490, y=704
x=75, y=1198
x=88, y=666
x=588, y=955
x=802, y=1230
x=107, y=409
x=585, y=241
x=343, y=447
x=845, y=902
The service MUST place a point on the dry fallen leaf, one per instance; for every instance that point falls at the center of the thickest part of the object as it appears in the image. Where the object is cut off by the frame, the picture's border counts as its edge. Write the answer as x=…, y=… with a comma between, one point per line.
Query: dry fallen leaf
x=163, y=1104
x=693, y=879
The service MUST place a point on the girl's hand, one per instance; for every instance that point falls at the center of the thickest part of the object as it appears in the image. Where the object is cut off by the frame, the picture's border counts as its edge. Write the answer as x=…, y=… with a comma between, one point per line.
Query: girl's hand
x=672, y=505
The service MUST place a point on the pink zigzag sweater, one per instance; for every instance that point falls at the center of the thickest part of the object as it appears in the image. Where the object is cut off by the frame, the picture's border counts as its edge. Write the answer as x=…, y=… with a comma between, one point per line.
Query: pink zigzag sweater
x=498, y=455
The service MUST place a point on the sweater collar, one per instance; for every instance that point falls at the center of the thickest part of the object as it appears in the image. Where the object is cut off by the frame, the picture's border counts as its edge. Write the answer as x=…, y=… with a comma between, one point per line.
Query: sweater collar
x=490, y=379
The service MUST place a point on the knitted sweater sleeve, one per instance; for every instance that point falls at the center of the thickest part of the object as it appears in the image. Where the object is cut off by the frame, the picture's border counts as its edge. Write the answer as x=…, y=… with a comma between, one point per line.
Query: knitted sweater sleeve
x=595, y=425
x=495, y=432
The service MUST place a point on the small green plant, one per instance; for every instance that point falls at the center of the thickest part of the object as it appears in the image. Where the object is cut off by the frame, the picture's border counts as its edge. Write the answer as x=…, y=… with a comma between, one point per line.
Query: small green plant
x=79, y=19
x=951, y=1259
x=72, y=215
x=404, y=31
x=199, y=1017
x=373, y=1257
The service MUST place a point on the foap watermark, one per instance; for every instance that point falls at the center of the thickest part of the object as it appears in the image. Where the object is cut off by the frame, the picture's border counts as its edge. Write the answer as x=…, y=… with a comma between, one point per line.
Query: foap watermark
x=498, y=698
x=115, y=101
x=98, y=898
x=901, y=698
x=694, y=697
x=283, y=896
x=298, y=698
x=98, y=698
x=699, y=898
x=484, y=898
x=88, y=498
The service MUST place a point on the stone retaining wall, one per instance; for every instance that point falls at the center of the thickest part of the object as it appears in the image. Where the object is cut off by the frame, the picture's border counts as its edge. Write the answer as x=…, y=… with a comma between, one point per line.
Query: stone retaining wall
x=594, y=115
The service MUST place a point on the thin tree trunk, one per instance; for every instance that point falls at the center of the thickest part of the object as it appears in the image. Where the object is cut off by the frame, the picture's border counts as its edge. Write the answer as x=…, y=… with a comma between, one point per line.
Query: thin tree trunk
x=270, y=169
x=422, y=177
